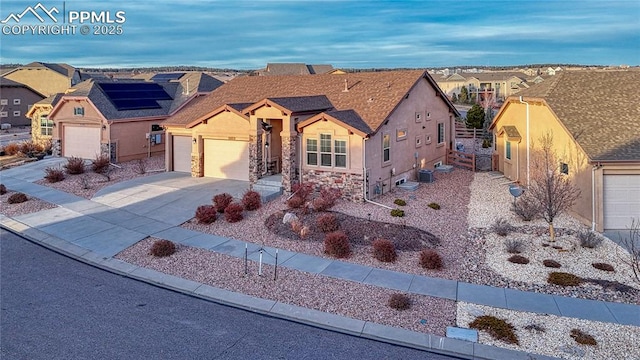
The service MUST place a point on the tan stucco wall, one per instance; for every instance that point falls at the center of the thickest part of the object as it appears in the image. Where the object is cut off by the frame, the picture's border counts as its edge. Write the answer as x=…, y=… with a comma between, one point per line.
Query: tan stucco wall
x=45, y=81
x=354, y=146
x=64, y=116
x=131, y=141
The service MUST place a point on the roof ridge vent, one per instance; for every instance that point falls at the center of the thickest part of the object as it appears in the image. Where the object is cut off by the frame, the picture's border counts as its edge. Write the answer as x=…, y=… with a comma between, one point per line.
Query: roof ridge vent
x=346, y=86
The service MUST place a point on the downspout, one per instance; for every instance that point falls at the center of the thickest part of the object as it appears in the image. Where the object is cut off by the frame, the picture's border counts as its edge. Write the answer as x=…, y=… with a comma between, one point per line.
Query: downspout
x=524, y=102
x=593, y=197
x=364, y=176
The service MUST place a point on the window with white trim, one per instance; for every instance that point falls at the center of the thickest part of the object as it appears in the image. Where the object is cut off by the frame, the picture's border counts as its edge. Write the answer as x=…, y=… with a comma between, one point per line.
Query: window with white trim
x=325, y=149
x=507, y=150
x=427, y=139
x=4, y=102
x=312, y=152
x=418, y=117
x=78, y=111
x=16, y=101
x=4, y=114
x=16, y=113
x=340, y=153
x=386, y=148
x=401, y=134
x=564, y=168
x=440, y=133
x=46, y=125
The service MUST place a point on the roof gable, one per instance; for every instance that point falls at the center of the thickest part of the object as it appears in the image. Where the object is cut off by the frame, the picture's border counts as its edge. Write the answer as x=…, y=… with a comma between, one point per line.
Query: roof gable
x=348, y=119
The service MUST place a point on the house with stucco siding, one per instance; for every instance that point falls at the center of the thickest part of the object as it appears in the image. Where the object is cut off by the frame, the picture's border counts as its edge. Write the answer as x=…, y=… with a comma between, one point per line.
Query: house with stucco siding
x=364, y=133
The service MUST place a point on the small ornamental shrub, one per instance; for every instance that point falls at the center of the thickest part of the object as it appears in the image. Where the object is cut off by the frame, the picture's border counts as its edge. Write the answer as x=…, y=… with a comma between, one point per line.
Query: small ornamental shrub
x=603, y=266
x=513, y=246
x=498, y=328
x=327, y=223
x=53, y=175
x=583, y=338
x=337, y=244
x=233, y=212
x=29, y=147
x=430, y=259
x=3, y=189
x=518, y=259
x=397, y=213
x=17, y=198
x=501, y=227
x=74, y=166
x=221, y=201
x=296, y=226
x=589, y=239
x=563, y=279
x=327, y=199
x=12, y=149
x=399, y=301
x=100, y=164
x=251, y=200
x=399, y=202
x=163, y=248
x=527, y=208
x=434, y=206
x=303, y=190
x=206, y=214
x=295, y=202
x=384, y=250
x=551, y=263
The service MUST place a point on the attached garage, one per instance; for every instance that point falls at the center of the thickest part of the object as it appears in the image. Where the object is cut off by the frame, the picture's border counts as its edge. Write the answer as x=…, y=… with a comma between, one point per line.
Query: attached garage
x=182, y=154
x=226, y=159
x=621, y=201
x=81, y=141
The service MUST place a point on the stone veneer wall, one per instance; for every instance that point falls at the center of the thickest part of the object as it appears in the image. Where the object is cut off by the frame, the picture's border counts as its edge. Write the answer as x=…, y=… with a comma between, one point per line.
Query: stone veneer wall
x=351, y=185
x=104, y=150
x=256, y=167
x=36, y=135
x=289, y=163
x=56, y=147
x=197, y=165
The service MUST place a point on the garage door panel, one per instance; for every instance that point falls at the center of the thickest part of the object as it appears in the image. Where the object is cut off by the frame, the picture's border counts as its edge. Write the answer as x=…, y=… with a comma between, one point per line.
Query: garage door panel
x=182, y=154
x=621, y=201
x=81, y=141
x=226, y=159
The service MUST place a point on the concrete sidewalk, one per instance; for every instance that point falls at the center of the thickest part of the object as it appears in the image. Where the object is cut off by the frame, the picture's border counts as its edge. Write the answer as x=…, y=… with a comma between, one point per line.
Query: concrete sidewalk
x=121, y=215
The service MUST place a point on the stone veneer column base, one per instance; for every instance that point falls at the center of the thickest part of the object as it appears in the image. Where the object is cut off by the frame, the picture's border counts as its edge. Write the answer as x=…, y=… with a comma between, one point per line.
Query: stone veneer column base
x=56, y=147
x=351, y=185
x=197, y=165
x=289, y=176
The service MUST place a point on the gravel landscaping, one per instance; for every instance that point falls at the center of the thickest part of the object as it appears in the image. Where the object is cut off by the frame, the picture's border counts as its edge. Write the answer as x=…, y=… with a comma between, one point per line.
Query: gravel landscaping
x=30, y=206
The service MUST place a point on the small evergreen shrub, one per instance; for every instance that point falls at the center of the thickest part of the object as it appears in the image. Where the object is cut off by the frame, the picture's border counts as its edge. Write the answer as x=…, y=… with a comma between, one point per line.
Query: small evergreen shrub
x=163, y=248
x=513, y=246
x=589, y=239
x=399, y=301
x=498, y=328
x=251, y=200
x=603, y=266
x=221, y=201
x=384, y=250
x=551, y=263
x=295, y=202
x=327, y=223
x=397, y=213
x=53, y=175
x=100, y=164
x=337, y=244
x=501, y=227
x=12, y=149
x=233, y=212
x=518, y=259
x=3, y=189
x=399, y=202
x=206, y=214
x=583, y=338
x=434, y=206
x=74, y=166
x=17, y=198
x=430, y=259
x=563, y=279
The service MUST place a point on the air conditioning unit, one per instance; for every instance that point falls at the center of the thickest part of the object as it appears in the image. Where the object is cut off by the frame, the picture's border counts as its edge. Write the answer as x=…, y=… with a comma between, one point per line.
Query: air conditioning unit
x=425, y=176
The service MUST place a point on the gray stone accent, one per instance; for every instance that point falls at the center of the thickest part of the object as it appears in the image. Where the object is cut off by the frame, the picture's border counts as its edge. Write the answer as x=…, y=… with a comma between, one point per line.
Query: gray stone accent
x=256, y=167
x=351, y=185
x=104, y=149
x=289, y=176
x=56, y=147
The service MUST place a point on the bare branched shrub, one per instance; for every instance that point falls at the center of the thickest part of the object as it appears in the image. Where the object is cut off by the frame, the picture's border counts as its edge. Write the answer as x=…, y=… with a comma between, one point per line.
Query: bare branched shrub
x=631, y=243
x=589, y=239
x=74, y=166
x=502, y=227
x=526, y=207
x=141, y=167
x=513, y=246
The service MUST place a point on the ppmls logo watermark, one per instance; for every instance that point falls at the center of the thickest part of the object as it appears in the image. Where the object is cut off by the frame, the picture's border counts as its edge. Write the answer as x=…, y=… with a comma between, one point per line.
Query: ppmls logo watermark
x=58, y=20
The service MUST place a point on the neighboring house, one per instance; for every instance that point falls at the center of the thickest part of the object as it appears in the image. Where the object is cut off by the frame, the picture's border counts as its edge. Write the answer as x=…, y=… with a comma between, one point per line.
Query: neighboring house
x=593, y=117
x=364, y=132
x=46, y=78
x=119, y=118
x=15, y=101
x=41, y=125
x=502, y=84
x=294, y=69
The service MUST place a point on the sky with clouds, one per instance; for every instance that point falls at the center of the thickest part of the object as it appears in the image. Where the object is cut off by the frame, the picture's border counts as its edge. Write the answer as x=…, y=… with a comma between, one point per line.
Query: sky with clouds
x=347, y=34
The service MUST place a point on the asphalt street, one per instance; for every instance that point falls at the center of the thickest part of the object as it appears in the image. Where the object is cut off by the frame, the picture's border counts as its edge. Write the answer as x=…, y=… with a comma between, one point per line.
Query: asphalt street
x=53, y=307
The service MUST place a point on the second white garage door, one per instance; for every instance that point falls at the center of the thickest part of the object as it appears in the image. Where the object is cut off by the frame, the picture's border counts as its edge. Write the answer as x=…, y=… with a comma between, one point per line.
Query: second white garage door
x=226, y=159
x=621, y=201
x=81, y=141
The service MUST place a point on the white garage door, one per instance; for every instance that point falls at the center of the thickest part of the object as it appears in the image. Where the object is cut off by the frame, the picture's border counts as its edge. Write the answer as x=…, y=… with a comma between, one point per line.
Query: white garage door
x=621, y=201
x=81, y=141
x=226, y=159
x=182, y=154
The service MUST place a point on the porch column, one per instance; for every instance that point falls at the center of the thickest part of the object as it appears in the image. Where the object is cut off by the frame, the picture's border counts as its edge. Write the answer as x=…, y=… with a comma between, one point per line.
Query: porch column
x=289, y=163
x=256, y=167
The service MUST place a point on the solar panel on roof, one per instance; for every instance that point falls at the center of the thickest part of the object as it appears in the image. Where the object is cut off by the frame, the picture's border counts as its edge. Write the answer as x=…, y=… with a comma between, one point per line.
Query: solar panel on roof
x=166, y=77
x=135, y=96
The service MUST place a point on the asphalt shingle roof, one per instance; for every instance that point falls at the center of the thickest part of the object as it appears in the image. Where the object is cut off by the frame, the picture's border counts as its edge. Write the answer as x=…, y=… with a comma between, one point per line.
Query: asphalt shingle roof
x=600, y=110
x=373, y=95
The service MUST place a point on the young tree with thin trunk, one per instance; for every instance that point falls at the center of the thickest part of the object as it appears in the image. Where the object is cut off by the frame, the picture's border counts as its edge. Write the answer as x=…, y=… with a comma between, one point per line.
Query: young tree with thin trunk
x=554, y=191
